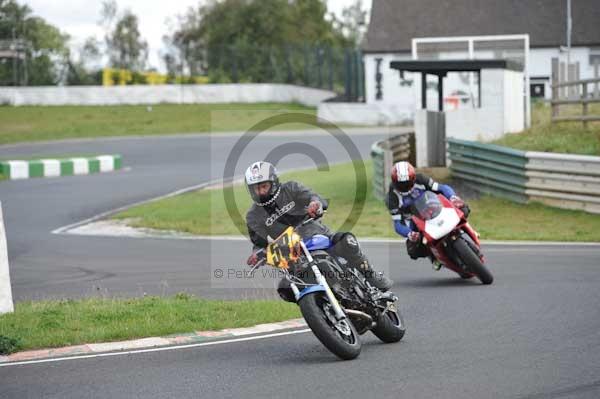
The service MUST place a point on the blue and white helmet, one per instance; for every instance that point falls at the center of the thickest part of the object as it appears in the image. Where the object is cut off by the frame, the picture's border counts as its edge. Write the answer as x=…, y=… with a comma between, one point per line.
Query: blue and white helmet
x=260, y=172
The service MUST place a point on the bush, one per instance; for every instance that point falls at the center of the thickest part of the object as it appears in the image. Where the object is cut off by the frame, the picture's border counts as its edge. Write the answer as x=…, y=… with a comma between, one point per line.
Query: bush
x=9, y=345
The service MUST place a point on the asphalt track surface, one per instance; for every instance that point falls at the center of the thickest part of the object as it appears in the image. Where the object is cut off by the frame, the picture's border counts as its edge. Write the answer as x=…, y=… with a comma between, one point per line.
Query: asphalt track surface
x=534, y=333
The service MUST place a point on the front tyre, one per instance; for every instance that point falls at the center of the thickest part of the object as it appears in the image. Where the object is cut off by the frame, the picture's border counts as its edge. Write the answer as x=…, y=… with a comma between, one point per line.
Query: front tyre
x=340, y=337
x=390, y=327
x=472, y=261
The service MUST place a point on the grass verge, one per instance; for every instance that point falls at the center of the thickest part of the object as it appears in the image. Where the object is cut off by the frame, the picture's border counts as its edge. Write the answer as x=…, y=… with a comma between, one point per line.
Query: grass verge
x=564, y=137
x=37, y=123
x=47, y=324
x=204, y=213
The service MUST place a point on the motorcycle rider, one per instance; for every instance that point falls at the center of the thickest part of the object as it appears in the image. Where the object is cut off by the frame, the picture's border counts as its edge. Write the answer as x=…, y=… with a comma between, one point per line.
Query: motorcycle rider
x=280, y=205
x=405, y=188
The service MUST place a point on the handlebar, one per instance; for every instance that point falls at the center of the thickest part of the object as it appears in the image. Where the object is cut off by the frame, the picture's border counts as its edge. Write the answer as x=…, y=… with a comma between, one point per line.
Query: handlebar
x=261, y=252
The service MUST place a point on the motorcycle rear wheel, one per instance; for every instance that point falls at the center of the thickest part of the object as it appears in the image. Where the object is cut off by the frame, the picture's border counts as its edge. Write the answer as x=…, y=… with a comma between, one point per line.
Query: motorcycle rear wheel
x=341, y=339
x=473, y=261
x=390, y=327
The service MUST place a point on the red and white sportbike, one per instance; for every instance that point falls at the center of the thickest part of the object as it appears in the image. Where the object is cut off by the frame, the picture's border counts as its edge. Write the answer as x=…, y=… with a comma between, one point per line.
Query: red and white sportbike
x=449, y=237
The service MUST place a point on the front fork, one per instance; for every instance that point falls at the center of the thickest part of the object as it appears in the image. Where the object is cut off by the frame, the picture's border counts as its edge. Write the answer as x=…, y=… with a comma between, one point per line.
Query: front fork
x=337, y=309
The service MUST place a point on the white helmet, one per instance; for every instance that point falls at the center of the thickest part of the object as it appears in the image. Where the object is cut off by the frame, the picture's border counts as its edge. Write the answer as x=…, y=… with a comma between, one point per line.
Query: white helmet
x=260, y=172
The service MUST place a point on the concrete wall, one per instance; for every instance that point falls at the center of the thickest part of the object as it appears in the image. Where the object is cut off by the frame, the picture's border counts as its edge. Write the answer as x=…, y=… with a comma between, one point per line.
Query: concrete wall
x=430, y=138
x=376, y=114
x=514, y=102
x=502, y=109
x=176, y=94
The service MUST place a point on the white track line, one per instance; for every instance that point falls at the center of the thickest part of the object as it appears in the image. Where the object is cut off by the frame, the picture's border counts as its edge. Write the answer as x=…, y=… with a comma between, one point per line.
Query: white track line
x=168, y=348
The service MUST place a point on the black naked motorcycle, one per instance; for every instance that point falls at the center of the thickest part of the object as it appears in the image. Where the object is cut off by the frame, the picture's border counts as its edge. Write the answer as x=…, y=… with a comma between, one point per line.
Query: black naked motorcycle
x=336, y=301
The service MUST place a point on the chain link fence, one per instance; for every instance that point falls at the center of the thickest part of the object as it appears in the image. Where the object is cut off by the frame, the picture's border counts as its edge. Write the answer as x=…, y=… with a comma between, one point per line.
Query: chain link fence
x=332, y=68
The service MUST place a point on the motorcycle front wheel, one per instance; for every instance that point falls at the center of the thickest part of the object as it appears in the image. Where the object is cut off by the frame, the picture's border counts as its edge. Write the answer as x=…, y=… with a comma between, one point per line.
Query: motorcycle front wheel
x=340, y=337
x=472, y=261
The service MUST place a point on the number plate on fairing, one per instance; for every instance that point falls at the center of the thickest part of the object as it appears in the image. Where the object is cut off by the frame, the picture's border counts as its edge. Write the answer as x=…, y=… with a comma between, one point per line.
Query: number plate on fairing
x=285, y=249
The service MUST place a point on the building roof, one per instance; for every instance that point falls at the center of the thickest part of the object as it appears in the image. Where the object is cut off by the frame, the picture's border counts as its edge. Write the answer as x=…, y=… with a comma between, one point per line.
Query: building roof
x=444, y=66
x=394, y=23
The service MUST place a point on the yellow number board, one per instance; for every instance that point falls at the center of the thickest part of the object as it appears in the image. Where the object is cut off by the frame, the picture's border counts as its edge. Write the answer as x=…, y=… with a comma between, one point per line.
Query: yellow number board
x=284, y=250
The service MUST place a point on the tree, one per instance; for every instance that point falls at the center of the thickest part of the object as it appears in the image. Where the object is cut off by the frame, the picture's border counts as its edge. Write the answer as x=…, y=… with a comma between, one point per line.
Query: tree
x=125, y=46
x=253, y=40
x=354, y=22
x=43, y=47
x=85, y=70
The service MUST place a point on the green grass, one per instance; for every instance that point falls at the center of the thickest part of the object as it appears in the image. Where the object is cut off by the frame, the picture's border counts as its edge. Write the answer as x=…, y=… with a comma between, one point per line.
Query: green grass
x=36, y=123
x=47, y=324
x=563, y=137
x=204, y=212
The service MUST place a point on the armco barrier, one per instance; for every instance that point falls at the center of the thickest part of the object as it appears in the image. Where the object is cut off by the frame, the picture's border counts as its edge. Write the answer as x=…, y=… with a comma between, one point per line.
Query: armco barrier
x=489, y=168
x=561, y=180
x=384, y=154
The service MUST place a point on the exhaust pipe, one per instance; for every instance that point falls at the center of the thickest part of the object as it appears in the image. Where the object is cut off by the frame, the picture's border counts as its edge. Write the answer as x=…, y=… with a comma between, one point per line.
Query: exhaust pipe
x=366, y=321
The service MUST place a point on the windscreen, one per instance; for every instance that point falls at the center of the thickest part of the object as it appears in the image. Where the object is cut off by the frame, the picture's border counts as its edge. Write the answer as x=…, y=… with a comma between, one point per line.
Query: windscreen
x=428, y=206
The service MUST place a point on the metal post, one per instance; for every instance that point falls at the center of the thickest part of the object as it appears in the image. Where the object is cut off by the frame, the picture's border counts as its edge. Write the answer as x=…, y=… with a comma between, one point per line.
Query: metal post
x=479, y=88
x=356, y=77
x=596, y=76
x=527, y=85
x=306, y=77
x=234, y=69
x=440, y=93
x=562, y=78
x=571, y=77
x=577, y=77
x=288, y=64
x=471, y=56
x=554, y=88
x=584, y=104
x=14, y=68
x=348, y=76
x=319, y=53
x=25, y=66
x=330, y=74
x=569, y=28
x=423, y=90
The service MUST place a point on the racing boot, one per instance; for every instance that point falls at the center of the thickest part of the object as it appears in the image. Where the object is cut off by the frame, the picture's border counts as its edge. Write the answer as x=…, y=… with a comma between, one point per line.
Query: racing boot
x=435, y=263
x=376, y=279
x=347, y=246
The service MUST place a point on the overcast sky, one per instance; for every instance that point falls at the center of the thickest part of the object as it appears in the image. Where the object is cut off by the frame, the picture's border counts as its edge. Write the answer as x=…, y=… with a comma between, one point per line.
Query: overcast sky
x=79, y=18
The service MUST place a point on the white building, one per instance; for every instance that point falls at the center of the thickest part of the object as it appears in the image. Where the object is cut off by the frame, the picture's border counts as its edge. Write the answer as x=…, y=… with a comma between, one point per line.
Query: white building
x=394, y=23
